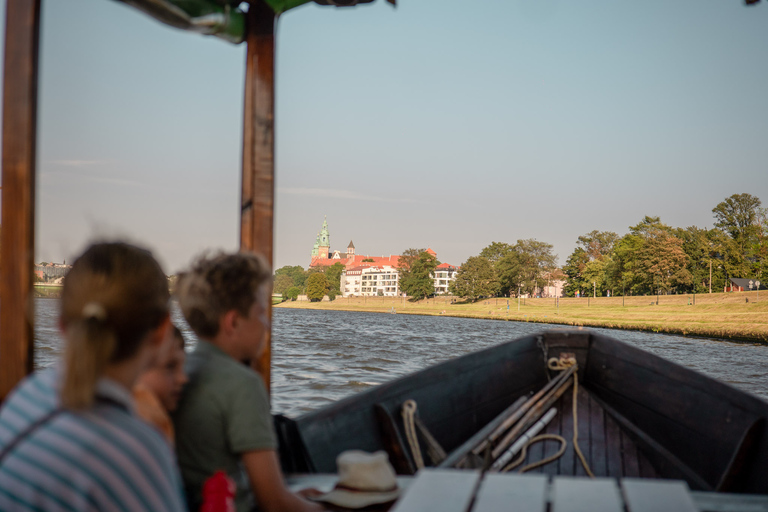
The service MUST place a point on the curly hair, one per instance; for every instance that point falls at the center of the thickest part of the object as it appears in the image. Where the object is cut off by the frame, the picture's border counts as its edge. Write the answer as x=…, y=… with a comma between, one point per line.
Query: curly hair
x=215, y=284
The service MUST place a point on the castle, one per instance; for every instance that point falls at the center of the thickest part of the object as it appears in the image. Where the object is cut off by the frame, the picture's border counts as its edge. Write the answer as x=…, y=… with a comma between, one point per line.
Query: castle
x=322, y=256
x=370, y=275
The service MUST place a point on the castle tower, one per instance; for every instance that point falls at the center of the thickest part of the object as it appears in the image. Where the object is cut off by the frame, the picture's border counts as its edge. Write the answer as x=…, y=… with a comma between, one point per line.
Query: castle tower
x=315, y=248
x=350, y=249
x=324, y=246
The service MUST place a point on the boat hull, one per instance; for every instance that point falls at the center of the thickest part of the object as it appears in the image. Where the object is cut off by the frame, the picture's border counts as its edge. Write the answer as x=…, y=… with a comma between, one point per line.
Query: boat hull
x=638, y=415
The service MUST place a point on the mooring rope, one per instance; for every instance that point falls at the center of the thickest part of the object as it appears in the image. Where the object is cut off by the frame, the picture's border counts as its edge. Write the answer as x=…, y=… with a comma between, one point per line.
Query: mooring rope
x=409, y=412
x=560, y=364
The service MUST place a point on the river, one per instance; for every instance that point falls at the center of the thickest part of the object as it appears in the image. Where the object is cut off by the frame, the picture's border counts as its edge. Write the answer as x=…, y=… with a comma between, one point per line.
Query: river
x=319, y=357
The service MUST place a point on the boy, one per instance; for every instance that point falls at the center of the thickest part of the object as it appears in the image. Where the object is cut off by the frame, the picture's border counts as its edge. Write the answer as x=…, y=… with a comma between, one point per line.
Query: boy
x=223, y=421
x=157, y=391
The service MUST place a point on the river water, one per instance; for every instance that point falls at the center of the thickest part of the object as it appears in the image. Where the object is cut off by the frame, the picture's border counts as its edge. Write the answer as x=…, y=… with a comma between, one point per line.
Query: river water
x=319, y=357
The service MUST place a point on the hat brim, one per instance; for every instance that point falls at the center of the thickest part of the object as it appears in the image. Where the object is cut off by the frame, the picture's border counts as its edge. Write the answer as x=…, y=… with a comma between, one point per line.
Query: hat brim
x=357, y=499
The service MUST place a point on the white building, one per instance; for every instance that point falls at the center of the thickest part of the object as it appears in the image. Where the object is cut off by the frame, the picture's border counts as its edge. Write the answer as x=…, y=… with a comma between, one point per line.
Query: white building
x=370, y=281
x=444, y=274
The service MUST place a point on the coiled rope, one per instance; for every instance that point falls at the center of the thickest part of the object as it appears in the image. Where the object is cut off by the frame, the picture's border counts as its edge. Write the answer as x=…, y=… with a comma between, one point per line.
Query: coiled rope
x=543, y=437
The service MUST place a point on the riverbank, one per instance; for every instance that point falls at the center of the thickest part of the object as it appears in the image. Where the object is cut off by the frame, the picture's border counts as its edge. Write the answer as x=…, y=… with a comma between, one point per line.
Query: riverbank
x=47, y=291
x=735, y=316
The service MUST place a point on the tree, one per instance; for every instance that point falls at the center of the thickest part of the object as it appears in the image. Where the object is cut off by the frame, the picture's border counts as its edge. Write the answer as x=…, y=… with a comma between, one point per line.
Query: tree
x=417, y=279
x=573, y=269
x=496, y=251
x=404, y=267
x=282, y=283
x=317, y=286
x=333, y=274
x=297, y=274
x=737, y=215
x=536, y=259
x=292, y=293
x=597, y=244
x=740, y=217
x=475, y=278
x=663, y=259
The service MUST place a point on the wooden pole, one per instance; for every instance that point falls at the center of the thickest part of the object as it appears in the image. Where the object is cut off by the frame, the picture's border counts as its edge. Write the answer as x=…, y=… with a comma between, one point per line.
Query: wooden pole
x=22, y=29
x=258, y=172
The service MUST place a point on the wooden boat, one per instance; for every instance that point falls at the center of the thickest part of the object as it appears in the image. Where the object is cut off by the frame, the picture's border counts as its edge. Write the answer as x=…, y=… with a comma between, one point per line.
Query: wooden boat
x=638, y=415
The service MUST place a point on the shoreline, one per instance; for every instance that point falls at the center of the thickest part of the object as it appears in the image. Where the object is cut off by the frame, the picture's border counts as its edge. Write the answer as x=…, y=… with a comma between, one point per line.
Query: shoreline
x=734, y=316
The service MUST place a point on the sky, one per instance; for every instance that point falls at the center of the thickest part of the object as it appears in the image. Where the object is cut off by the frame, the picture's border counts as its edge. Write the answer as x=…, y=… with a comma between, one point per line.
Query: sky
x=440, y=123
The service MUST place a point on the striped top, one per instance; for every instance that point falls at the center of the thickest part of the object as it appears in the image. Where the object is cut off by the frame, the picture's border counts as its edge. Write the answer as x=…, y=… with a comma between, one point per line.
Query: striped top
x=102, y=459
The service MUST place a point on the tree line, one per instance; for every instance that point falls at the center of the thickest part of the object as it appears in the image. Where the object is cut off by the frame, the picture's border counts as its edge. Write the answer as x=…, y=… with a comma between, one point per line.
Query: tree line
x=652, y=258
x=656, y=258
x=505, y=269
x=315, y=282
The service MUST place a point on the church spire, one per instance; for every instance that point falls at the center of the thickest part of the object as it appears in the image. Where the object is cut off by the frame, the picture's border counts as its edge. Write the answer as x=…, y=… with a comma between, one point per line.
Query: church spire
x=325, y=237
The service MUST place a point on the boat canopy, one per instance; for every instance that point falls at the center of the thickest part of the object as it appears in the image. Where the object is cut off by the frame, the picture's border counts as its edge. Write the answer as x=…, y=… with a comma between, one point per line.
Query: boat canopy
x=221, y=18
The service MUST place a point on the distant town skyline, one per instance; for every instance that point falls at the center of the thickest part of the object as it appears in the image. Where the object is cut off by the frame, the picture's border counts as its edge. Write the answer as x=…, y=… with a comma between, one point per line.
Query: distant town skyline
x=434, y=124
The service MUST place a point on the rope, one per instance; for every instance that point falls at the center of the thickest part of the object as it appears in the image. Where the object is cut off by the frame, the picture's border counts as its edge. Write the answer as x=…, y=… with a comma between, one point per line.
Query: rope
x=543, y=437
x=563, y=363
x=409, y=412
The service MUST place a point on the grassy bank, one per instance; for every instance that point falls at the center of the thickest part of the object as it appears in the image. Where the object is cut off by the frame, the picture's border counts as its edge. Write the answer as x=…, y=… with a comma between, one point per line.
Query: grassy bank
x=719, y=315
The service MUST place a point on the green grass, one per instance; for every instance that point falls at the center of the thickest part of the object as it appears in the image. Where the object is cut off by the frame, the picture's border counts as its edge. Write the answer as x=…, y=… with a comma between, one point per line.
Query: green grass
x=720, y=315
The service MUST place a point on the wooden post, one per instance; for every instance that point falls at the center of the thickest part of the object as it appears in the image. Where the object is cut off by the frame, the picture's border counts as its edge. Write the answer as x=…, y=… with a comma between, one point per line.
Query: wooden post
x=258, y=174
x=22, y=29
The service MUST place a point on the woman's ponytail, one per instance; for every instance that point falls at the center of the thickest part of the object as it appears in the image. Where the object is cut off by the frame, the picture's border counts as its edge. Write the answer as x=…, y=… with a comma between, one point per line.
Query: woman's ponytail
x=91, y=344
x=113, y=296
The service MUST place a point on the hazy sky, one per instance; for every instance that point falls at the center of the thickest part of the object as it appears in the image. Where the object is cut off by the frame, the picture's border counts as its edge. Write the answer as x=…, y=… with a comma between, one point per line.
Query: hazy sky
x=441, y=123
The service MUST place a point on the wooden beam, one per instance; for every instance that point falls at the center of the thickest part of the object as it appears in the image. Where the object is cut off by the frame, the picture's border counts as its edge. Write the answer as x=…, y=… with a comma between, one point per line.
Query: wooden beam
x=22, y=30
x=258, y=176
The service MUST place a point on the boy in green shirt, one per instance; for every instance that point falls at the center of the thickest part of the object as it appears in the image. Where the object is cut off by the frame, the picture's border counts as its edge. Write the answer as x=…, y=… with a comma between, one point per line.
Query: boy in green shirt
x=223, y=421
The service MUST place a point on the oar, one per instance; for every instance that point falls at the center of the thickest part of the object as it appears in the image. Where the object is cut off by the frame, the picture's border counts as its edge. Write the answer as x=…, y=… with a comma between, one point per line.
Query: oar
x=509, y=422
x=535, y=413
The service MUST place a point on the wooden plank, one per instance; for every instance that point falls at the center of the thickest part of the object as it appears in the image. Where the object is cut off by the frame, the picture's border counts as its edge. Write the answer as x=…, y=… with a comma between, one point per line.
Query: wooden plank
x=629, y=456
x=725, y=502
x=657, y=496
x=568, y=460
x=17, y=252
x=551, y=447
x=597, y=442
x=583, y=426
x=646, y=468
x=439, y=490
x=258, y=173
x=664, y=461
x=733, y=477
x=535, y=454
x=586, y=495
x=521, y=493
x=614, y=466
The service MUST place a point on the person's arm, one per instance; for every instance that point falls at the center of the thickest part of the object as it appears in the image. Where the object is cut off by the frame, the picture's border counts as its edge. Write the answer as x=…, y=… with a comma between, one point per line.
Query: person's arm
x=268, y=486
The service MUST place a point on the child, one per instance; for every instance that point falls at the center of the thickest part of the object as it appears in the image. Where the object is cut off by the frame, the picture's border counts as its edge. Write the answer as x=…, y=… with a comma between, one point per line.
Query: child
x=69, y=440
x=223, y=421
x=158, y=390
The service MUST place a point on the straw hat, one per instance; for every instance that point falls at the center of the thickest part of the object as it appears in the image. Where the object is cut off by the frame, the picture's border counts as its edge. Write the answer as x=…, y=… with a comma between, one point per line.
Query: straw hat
x=364, y=479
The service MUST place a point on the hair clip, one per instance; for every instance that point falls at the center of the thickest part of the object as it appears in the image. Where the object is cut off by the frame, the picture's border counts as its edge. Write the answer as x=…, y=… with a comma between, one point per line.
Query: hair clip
x=94, y=310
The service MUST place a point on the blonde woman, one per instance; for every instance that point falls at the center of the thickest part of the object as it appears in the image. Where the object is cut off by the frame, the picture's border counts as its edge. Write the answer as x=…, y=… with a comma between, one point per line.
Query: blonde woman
x=69, y=437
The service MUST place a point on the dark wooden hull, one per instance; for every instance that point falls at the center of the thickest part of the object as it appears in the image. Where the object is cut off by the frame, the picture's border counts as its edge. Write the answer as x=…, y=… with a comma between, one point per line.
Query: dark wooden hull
x=639, y=415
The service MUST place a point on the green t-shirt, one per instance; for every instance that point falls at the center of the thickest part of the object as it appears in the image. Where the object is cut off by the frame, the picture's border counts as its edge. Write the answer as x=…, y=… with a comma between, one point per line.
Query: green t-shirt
x=223, y=412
